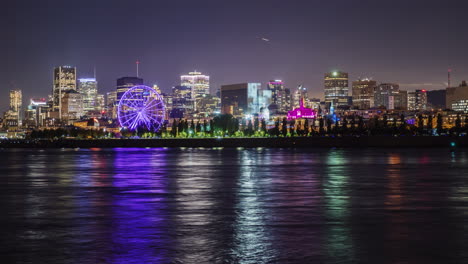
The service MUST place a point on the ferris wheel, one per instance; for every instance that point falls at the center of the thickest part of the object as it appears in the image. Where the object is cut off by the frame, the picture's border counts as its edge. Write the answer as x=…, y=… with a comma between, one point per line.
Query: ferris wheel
x=141, y=107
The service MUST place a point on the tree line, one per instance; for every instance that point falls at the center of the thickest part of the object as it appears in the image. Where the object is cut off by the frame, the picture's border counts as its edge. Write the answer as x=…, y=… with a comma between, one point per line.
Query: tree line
x=229, y=126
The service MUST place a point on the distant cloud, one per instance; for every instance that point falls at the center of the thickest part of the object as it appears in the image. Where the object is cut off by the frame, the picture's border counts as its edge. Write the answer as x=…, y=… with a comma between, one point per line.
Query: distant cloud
x=422, y=84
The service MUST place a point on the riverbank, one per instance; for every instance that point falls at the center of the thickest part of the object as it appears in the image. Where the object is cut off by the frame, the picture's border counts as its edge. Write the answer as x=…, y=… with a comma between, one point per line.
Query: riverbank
x=294, y=142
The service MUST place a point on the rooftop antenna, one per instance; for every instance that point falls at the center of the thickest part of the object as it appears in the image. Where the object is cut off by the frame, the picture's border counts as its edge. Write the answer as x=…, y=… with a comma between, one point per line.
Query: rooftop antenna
x=94, y=72
x=137, y=66
x=448, y=77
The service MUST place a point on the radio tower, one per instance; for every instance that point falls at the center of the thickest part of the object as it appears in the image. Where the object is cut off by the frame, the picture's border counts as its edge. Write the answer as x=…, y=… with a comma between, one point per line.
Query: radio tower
x=137, y=65
x=448, y=77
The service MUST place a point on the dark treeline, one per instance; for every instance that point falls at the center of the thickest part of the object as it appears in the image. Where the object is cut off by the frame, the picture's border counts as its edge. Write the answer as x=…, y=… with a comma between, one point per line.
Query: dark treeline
x=228, y=126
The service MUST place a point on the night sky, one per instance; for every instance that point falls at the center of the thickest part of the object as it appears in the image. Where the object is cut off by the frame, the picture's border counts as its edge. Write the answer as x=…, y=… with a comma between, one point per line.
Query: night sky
x=409, y=42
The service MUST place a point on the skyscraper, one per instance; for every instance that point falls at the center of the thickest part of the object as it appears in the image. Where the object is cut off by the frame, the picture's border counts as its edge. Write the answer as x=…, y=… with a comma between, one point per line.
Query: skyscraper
x=72, y=107
x=363, y=93
x=240, y=99
x=64, y=80
x=417, y=100
x=197, y=82
x=125, y=83
x=388, y=95
x=13, y=115
x=280, y=97
x=336, y=88
x=88, y=88
x=301, y=92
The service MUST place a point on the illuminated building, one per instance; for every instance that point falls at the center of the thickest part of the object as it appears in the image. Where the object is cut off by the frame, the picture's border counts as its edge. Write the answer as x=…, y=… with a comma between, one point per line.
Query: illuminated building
x=72, y=107
x=33, y=116
x=280, y=97
x=336, y=88
x=125, y=83
x=88, y=88
x=207, y=105
x=363, y=93
x=457, y=96
x=417, y=100
x=301, y=92
x=240, y=99
x=156, y=88
x=198, y=83
x=111, y=104
x=301, y=112
x=388, y=95
x=182, y=101
x=12, y=117
x=64, y=81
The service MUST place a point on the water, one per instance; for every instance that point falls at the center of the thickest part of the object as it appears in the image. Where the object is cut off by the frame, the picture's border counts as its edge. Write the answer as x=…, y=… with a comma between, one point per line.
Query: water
x=234, y=206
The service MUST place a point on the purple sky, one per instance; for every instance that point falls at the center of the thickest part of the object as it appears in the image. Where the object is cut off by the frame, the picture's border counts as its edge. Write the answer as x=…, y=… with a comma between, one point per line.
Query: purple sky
x=408, y=42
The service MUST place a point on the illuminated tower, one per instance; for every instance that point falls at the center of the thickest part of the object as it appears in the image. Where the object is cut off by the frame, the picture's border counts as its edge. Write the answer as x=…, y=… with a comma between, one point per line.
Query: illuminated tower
x=197, y=82
x=64, y=81
x=336, y=88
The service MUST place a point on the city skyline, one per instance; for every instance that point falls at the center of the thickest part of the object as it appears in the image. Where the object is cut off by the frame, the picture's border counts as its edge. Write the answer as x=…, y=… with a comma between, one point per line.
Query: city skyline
x=412, y=49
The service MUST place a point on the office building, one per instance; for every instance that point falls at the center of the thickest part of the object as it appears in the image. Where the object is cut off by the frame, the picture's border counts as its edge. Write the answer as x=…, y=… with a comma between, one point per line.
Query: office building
x=336, y=88
x=111, y=104
x=12, y=117
x=280, y=97
x=417, y=100
x=88, y=88
x=240, y=99
x=125, y=83
x=207, y=105
x=388, y=95
x=198, y=83
x=64, y=81
x=363, y=93
x=34, y=114
x=436, y=99
x=72, y=107
x=301, y=92
x=457, y=97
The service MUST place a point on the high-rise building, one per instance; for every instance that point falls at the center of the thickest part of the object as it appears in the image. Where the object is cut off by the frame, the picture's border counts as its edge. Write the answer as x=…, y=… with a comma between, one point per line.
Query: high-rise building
x=280, y=97
x=240, y=99
x=301, y=92
x=385, y=94
x=64, y=81
x=417, y=100
x=182, y=102
x=72, y=107
x=12, y=117
x=336, y=88
x=88, y=88
x=457, y=97
x=197, y=82
x=207, y=105
x=111, y=104
x=363, y=93
x=33, y=116
x=125, y=83
x=436, y=99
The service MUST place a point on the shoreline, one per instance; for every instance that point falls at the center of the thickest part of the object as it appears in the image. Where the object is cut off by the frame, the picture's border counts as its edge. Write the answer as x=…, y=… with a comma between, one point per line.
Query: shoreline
x=289, y=142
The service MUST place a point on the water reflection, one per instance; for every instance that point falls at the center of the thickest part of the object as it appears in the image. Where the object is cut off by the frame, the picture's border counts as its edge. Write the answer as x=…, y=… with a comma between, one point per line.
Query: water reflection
x=336, y=188
x=139, y=207
x=234, y=206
